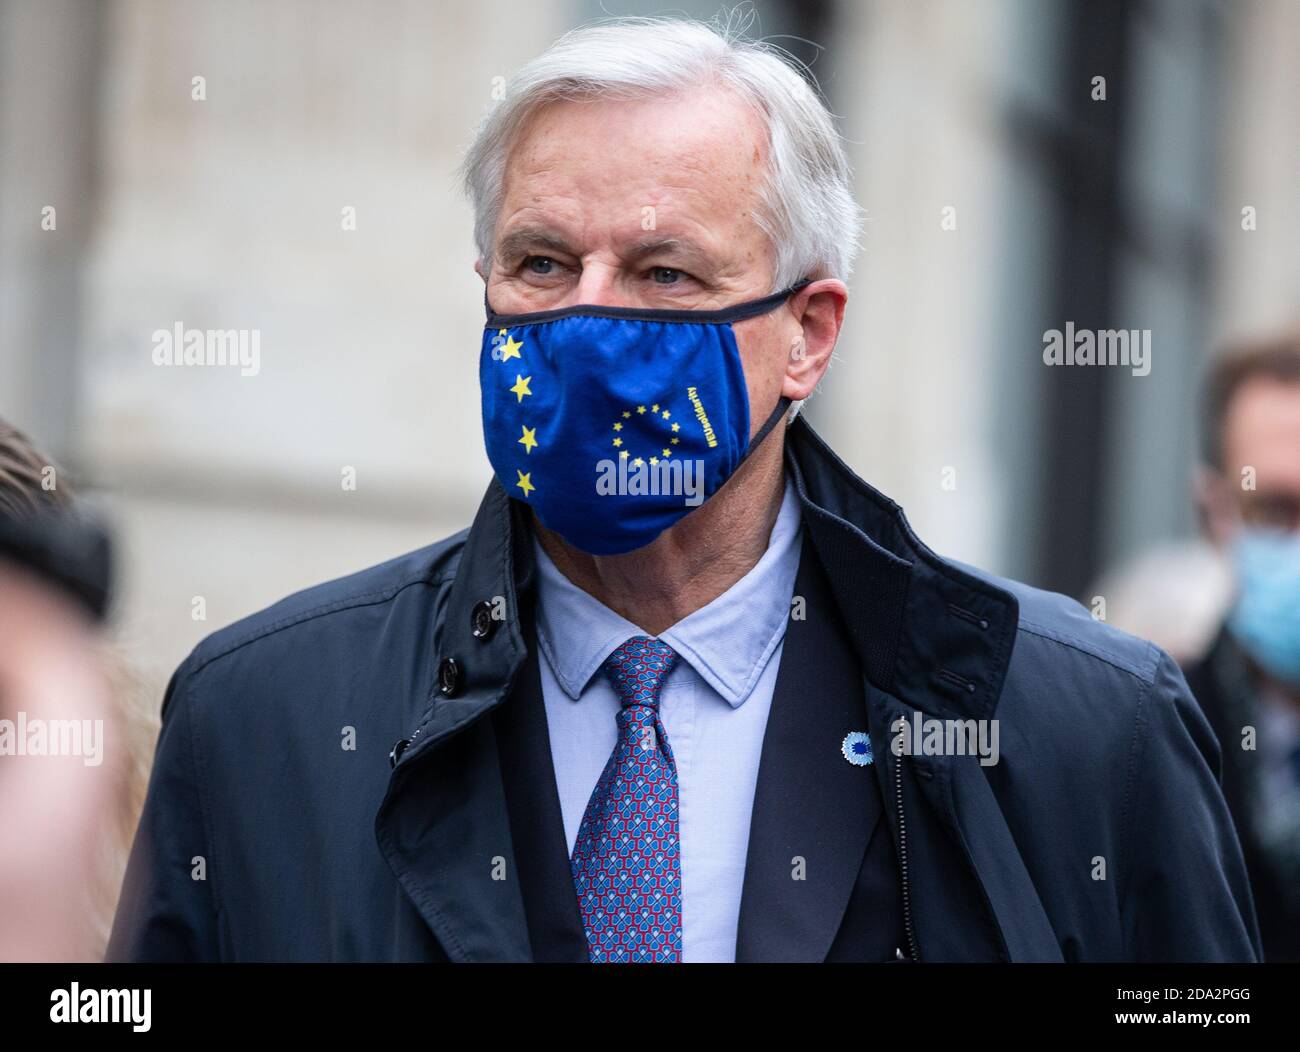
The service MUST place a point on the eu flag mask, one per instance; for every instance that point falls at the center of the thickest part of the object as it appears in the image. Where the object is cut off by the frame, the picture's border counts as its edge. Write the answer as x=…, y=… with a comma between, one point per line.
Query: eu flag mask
x=612, y=423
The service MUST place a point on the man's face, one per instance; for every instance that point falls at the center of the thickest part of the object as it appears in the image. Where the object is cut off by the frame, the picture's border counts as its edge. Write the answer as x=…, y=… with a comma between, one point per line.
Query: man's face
x=643, y=204
x=1262, y=433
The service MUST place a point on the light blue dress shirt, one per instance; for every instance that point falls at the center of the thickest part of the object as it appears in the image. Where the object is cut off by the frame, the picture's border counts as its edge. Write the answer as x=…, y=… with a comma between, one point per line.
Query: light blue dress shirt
x=714, y=709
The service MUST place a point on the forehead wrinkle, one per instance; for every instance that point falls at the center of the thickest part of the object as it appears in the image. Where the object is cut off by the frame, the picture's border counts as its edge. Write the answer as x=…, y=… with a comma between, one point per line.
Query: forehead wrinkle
x=730, y=160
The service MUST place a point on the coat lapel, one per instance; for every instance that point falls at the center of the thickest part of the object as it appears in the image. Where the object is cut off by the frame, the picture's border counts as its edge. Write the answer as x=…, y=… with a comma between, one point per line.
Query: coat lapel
x=444, y=824
x=810, y=803
x=445, y=831
x=555, y=927
x=1012, y=898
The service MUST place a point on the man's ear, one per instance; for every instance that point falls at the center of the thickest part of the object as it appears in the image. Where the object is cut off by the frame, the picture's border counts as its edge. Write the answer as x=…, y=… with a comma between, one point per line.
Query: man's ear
x=819, y=310
x=480, y=270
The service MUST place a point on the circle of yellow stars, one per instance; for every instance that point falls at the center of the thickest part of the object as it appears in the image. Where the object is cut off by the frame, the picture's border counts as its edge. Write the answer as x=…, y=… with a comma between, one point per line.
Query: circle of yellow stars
x=665, y=451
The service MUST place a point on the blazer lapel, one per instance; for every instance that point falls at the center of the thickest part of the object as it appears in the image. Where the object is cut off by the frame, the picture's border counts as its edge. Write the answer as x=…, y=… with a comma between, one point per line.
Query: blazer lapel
x=813, y=810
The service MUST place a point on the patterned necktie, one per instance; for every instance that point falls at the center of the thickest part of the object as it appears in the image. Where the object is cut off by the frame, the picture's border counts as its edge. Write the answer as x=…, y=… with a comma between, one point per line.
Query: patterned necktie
x=627, y=863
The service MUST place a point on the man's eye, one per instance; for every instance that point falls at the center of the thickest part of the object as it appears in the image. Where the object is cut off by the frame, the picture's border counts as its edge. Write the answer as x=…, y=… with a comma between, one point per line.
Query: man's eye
x=666, y=275
x=541, y=265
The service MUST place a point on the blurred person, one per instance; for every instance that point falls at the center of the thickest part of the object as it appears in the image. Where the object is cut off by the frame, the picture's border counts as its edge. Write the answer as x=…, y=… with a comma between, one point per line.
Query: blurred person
x=64, y=805
x=1249, y=682
x=672, y=696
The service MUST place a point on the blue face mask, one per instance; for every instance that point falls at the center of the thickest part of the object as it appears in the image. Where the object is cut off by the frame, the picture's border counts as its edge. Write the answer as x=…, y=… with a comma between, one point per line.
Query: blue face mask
x=1266, y=618
x=612, y=423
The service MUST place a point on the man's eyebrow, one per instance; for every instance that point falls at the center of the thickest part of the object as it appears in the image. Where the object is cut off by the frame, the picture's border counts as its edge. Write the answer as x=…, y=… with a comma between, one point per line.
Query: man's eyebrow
x=524, y=238
x=681, y=246
x=531, y=238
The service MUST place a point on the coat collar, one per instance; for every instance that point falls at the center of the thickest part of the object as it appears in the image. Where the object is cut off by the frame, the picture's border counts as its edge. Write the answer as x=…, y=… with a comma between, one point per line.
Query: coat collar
x=479, y=645
x=926, y=631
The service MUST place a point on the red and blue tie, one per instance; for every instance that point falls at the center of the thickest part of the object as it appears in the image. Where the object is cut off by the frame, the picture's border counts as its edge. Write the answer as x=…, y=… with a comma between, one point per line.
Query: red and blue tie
x=627, y=864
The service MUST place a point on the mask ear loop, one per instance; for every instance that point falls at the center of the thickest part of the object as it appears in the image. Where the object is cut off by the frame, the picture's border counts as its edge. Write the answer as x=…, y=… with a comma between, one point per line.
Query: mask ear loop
x=782, y=404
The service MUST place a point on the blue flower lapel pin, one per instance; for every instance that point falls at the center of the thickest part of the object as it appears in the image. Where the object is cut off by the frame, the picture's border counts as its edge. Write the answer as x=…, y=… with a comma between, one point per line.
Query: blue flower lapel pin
x=856, y=748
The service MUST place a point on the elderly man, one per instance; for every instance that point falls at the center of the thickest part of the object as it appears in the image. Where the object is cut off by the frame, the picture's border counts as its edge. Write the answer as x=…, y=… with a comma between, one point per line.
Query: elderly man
x=687, y=690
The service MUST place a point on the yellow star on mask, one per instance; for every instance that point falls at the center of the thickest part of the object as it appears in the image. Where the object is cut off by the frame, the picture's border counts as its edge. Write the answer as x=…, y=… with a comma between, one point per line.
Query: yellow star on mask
x=618, y=442
x=525, y=482
x=510, y=349
x=521, y=386
x=530, y=438
x=677, y=427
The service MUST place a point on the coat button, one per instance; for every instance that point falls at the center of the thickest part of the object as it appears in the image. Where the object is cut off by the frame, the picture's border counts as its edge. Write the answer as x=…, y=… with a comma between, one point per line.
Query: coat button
x=448, y=677
x=397, y=750
x=481, y=624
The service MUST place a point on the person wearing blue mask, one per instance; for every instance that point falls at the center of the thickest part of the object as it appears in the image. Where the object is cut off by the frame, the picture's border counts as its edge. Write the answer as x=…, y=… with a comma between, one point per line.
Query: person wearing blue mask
x=688, y=689
x=1249, y=681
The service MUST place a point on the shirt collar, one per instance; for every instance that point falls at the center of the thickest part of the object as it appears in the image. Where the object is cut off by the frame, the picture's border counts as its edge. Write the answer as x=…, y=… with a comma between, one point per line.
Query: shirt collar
x=728, y=642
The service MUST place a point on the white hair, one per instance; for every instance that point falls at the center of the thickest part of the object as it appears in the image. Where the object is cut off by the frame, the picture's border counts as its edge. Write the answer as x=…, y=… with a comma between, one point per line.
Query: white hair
x=808, y=210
